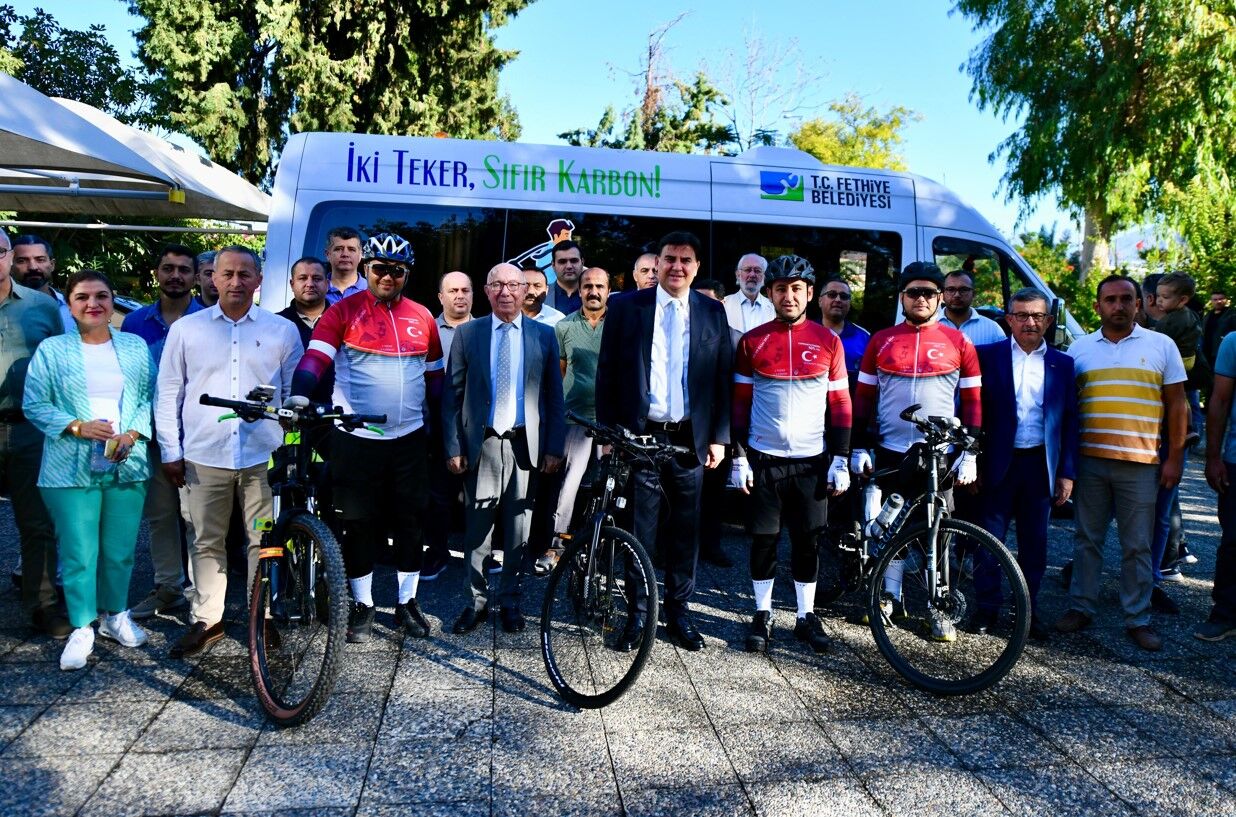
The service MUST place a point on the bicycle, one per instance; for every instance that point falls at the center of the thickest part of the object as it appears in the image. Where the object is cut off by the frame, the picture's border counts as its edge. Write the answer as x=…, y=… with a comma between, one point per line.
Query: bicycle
x=298, y=604
x=590, y=595
x=929, y=584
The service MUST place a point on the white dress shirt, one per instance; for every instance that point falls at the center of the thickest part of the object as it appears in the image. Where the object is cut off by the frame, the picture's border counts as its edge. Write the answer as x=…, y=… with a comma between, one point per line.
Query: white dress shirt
x=209, y=353
x=745, y=314
x=660, y=379
x=517, y=365
x=548, y=315
x=1028, y=379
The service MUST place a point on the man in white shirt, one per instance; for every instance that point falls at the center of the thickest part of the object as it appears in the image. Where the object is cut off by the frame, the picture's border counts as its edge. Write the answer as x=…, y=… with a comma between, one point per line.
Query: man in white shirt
x=534, y=305
x=960, y=315
x=747, y=308
x=224, y=351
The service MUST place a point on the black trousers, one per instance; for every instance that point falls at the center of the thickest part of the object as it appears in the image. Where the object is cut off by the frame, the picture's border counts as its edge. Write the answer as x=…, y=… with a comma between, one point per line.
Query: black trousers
x=381, y=490
x=676, y=485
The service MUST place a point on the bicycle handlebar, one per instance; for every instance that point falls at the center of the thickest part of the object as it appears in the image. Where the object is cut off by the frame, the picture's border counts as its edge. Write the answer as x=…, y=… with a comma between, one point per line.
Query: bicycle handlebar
x=939, y=429
x=248, y=409
x=628, y=441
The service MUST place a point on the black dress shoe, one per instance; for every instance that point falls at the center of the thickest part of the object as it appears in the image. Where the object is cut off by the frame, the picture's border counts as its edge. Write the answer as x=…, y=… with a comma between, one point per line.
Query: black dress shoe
x=512, y=620
x=716, y=556
x=469, y=620
x=1038, y=630
x=982, y=622
x=632, y=633
x=683, y=631
x=761, y=632
x=51, y=621
x=197, y=639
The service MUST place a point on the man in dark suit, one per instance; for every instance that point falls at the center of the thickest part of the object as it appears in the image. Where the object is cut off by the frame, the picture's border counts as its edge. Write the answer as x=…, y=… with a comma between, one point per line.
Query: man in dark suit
x=503, y=420
x=1030, y=438
x=665, y=369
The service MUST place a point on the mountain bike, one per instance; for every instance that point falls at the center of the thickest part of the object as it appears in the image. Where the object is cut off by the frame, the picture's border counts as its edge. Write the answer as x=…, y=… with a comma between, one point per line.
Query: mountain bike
x=591, y=592
x=298, y=605
x=946, y=602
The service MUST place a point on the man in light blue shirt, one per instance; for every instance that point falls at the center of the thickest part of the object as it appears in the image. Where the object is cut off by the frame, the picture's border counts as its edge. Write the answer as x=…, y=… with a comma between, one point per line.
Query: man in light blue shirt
x=960, y=315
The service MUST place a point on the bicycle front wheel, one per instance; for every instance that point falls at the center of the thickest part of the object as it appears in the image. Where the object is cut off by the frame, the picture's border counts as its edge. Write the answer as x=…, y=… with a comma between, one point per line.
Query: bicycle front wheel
x=588, y=604
x=297, y=619
x=959, y=627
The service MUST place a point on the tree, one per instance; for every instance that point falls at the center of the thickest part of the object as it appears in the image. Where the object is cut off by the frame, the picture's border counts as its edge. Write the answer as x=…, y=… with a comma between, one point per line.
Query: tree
x=859, y=136
x=1119, y=99
x=239, y=76
x=63, y=62
x=1204, y=214
x=672, y=116
x=1049, y=256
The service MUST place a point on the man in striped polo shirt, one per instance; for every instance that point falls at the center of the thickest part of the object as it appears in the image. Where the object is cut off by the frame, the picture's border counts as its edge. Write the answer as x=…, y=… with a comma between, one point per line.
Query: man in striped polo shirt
x=1129, y=381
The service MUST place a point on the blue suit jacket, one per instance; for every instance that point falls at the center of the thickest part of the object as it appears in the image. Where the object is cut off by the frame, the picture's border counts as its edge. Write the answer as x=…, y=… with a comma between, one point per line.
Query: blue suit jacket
x=625, y=360
x=1060, y=429
x=467, y=398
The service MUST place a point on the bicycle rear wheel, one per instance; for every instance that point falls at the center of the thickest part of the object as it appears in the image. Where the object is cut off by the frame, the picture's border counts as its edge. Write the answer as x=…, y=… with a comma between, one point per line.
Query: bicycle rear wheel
x=587, y=607
x=293, y=673
x=971, y=633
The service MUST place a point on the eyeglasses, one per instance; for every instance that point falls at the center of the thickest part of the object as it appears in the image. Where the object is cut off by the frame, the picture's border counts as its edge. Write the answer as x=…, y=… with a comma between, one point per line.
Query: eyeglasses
x=914, y=293
x=509, y=286
x=845, y=296
x=3, y=252
x=393, y=270
x=759, y=270
x=958, y=290
x=1023, y=317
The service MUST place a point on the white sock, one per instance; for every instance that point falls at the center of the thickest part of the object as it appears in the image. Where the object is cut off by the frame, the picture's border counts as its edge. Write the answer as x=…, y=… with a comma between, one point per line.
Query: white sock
x=805, y=591
x=362, y=589
x=763, y=594
x=408, y=582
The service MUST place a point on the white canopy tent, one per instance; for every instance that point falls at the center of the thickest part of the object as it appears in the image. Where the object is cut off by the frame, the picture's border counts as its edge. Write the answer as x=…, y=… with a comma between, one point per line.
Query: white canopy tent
x=61, y=156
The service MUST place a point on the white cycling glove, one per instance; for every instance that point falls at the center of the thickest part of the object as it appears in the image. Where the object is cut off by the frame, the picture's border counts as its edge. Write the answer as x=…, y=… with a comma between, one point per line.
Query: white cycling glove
x=860, y=461
x=967, y=468
x=741, y=476
x=839, y=475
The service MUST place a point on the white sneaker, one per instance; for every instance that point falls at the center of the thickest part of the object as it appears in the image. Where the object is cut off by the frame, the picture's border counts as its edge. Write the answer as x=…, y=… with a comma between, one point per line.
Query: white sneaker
x=122, y=628
x=81, y=644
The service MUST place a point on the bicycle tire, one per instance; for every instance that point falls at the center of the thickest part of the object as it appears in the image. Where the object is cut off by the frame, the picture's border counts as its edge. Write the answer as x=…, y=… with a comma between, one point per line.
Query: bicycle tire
x=577, y=644
x=292, y=698
x=917, y=646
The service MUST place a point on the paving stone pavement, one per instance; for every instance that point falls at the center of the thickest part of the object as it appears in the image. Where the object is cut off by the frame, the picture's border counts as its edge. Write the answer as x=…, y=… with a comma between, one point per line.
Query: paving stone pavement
x=1086, y=725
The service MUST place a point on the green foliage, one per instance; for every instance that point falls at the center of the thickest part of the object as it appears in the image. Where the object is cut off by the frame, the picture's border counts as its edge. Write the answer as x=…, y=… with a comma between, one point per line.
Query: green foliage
x=1120, y=99
x=1204, y=213
x=858, y=136
x=687, y=123
x=239, y=76
x=78, y=65
x=1049, y=256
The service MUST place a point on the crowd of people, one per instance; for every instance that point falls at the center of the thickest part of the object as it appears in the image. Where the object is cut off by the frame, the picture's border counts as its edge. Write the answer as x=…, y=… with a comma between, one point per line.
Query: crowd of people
x=101, y=428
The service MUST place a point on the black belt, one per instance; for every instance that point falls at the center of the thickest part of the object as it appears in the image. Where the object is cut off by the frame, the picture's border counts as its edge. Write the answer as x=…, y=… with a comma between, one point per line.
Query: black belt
x=509, y=434
x=670, y=427
x=11, y=416
x=1026, y=452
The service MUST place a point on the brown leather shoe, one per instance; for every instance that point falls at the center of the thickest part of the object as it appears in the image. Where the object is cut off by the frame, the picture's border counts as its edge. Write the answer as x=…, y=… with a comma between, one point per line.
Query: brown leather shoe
x=197, y=639
x=1073, y=621
x=1146, y=638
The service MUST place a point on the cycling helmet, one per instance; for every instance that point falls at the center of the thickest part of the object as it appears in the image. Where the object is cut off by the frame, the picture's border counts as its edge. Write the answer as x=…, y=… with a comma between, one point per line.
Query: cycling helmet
x=789, y=268
x=388, y=247
x=920, y=271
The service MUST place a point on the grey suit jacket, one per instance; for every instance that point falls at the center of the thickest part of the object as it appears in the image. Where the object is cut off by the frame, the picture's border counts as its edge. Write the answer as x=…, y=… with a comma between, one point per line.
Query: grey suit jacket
x=467, y=398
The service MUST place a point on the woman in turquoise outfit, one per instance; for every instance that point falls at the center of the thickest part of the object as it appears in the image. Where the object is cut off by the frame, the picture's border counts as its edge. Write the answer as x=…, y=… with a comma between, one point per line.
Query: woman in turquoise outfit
x=90, y=392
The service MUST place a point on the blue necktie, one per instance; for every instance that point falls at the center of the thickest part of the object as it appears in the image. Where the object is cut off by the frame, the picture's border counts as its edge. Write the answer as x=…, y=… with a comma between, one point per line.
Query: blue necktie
x=504, y=395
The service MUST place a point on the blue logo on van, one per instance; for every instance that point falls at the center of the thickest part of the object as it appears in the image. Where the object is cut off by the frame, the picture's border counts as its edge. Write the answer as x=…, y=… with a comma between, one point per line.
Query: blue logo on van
x=781, y=185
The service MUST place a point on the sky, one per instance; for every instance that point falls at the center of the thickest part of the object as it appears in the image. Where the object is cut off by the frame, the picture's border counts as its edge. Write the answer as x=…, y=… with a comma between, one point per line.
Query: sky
x=576, y=58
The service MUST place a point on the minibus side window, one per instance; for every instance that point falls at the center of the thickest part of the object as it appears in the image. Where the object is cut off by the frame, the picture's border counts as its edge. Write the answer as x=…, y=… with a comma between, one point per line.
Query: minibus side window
x=996, y=276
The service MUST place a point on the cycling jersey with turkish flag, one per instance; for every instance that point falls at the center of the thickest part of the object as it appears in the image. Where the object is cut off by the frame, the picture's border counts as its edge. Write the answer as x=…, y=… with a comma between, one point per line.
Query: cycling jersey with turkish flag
x=784, y=377
x=383, y=356
x=907, y=364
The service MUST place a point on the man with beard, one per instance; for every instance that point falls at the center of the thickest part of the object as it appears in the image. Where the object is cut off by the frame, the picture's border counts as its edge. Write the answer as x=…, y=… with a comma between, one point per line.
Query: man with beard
x=534, y=305
x=1130, y=388
x=747, y=308
x=959, y=313
x=33, y=266
x=175, y=273
x=787, y=374
x=207, y=292
x=568, y=264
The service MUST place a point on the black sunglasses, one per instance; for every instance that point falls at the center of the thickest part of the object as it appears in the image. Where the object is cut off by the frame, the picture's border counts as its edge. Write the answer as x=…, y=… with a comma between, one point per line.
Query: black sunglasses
x=393, y=270
x=845, y=296
x=921, y=292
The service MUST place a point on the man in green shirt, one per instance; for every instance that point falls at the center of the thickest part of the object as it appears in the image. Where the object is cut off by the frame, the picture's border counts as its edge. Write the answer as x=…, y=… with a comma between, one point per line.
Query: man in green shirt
x=579, y=344
x=27, y=318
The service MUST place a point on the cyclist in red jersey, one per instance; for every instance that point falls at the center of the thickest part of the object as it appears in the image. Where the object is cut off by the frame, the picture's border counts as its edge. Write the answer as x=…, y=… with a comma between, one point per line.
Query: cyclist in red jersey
x=388, y=360
x=787, y=373
x=916, y=361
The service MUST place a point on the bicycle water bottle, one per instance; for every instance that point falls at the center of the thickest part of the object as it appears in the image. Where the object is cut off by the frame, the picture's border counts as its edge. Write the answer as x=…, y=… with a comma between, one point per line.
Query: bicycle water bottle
x=892, y=506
